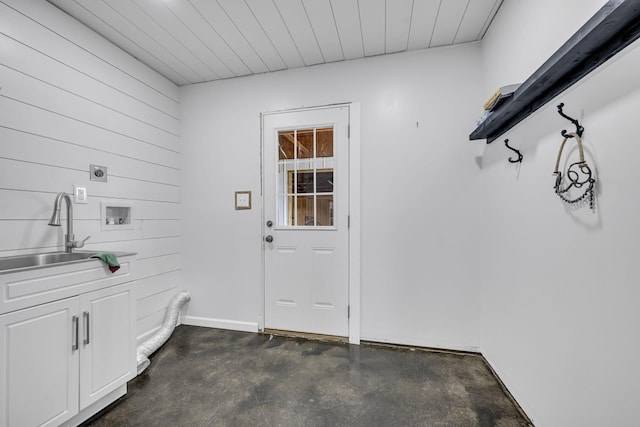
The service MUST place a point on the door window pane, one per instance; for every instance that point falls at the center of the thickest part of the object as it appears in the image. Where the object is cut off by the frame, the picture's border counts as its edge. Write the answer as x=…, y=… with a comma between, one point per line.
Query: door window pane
x=285, y=145
x=305, y=177
x=324, y=181
x=324, y=211
x=305, y=143
x=305, y=182
x=324, y=142
x=305, y=211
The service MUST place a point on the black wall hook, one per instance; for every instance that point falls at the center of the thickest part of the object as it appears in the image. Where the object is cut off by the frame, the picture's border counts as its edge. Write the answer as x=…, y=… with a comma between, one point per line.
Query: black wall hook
x=511, y=160
x=579, y=128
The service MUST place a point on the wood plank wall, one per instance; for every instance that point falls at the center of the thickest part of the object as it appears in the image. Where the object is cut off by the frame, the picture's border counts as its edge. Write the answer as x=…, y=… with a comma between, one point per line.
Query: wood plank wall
x=69, y=98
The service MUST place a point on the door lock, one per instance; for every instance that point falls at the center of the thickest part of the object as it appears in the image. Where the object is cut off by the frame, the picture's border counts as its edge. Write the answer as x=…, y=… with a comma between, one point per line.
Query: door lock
x=269, y=223
x=268, y=239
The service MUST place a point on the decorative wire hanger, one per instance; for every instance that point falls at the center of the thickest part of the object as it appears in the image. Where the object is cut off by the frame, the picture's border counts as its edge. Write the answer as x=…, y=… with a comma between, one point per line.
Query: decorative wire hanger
x=579, y=128
x=579, y=173
x=511, y=159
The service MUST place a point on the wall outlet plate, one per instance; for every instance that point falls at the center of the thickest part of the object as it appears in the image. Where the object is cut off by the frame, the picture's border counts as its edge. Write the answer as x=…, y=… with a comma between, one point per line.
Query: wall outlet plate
x=80, y=194
x=98, y=173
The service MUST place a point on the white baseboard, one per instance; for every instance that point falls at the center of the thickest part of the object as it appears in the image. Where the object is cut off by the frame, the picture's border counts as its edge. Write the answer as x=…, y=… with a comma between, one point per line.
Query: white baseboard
x=423, y=343
x=148, y=334
x=143, y=337
x=509, y=388
x=233, y=325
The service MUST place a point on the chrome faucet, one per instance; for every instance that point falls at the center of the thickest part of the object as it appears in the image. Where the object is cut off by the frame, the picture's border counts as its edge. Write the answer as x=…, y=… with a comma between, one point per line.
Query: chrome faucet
x=69, y=243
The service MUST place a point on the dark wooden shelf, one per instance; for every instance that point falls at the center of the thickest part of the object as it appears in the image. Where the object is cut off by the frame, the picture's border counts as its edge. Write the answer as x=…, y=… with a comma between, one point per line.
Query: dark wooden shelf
x=610, y=30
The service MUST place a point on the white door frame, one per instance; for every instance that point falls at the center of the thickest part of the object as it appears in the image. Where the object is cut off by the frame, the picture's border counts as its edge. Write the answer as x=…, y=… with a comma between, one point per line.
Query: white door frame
x=354, y=215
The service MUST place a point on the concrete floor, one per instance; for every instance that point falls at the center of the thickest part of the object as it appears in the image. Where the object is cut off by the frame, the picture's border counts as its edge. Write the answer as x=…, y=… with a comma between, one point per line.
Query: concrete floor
x=211, y=377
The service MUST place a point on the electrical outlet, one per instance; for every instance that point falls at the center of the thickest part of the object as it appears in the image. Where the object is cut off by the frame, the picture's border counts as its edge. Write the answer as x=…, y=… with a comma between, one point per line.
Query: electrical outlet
x=80, y=194
x=98, y=173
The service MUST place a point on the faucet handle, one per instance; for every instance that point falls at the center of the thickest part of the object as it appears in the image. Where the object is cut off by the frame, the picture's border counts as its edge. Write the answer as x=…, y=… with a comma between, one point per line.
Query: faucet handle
x=77, y=244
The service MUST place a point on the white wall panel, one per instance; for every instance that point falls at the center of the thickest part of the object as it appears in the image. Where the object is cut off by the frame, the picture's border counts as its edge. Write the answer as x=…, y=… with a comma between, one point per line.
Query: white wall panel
x=321, y=18
x=23, y=175
x=271, y=21
x=156, y=303
x=37, y=234
x=147, y=248
x=241, y=16
x=201, y=28
x=44, y=96
x=155, y=284
x=49, y=124
x=38, y=149
x=560, y=316
x=68, y=98
x=476, y=20
x=213, y=13
x=424, y=18
x=32, y=63
x=154, y=48
x=347, y=17
x=398, y=24
x=78, y=47
x=297, y=23
x=165, y=41
x=148, y=325
x=417, y=284
x=373, y=25
x=15, y=204
x=153, y=294
x=148, y=267
x=81, y=13
x=165, y=17
x=450, y=15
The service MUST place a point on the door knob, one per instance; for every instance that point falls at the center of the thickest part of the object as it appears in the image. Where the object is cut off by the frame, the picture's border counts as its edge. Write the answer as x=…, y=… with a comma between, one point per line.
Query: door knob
x=268, y=239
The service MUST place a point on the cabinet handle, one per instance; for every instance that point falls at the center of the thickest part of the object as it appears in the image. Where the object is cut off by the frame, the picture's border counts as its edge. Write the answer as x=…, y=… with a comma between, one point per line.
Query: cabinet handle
x=85, y=317
x=74, y=333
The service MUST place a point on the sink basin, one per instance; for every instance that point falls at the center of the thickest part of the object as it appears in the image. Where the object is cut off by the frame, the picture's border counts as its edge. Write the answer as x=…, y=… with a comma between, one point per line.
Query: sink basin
x=34, y=260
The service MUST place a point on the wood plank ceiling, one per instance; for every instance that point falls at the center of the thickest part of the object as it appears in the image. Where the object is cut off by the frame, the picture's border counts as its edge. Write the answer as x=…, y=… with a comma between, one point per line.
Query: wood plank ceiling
x=192, y=41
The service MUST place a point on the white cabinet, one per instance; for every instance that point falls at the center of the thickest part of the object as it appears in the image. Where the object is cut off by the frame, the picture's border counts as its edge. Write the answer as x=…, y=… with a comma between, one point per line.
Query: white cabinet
x=62, y=361
x=107, y=342
x=39, y=380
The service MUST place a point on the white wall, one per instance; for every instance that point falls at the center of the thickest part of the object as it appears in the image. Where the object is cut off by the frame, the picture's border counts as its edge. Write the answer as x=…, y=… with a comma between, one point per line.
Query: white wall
x=560, y=287
x=69, y=98
x=460, y=249
x=419, y=282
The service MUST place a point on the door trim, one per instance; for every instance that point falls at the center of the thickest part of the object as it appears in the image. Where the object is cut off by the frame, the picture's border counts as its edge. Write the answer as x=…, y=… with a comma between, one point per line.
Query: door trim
x=354, y=231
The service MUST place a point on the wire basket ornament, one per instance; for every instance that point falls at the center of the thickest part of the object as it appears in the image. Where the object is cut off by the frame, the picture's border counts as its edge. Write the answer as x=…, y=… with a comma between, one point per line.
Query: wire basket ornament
x=579, y=177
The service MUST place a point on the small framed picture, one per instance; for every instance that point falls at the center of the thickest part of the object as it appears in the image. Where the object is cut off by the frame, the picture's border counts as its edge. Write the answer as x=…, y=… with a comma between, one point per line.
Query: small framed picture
x=243, y=200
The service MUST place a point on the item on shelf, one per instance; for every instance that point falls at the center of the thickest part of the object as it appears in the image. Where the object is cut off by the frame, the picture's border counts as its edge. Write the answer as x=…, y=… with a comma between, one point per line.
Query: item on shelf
x=499, y=96
x=484, y=117
x=610, y=30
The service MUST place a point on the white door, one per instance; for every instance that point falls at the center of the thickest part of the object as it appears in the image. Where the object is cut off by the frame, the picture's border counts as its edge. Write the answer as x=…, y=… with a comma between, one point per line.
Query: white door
x=306, y=214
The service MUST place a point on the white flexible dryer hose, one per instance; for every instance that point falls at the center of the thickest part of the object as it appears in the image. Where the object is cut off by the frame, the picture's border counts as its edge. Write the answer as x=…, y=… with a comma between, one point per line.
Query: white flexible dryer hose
x=147, y=348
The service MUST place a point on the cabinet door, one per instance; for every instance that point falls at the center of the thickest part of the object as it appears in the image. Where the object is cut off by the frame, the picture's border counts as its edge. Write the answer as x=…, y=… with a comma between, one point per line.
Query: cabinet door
x=39, y=365
x=107, y=341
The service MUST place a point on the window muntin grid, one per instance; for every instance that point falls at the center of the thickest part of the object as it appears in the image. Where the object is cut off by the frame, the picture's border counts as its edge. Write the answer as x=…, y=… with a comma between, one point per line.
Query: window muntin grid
x=305, y=189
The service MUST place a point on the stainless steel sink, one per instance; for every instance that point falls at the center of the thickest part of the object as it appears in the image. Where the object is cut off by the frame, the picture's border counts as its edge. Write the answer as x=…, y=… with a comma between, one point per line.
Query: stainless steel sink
x=35, y=260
